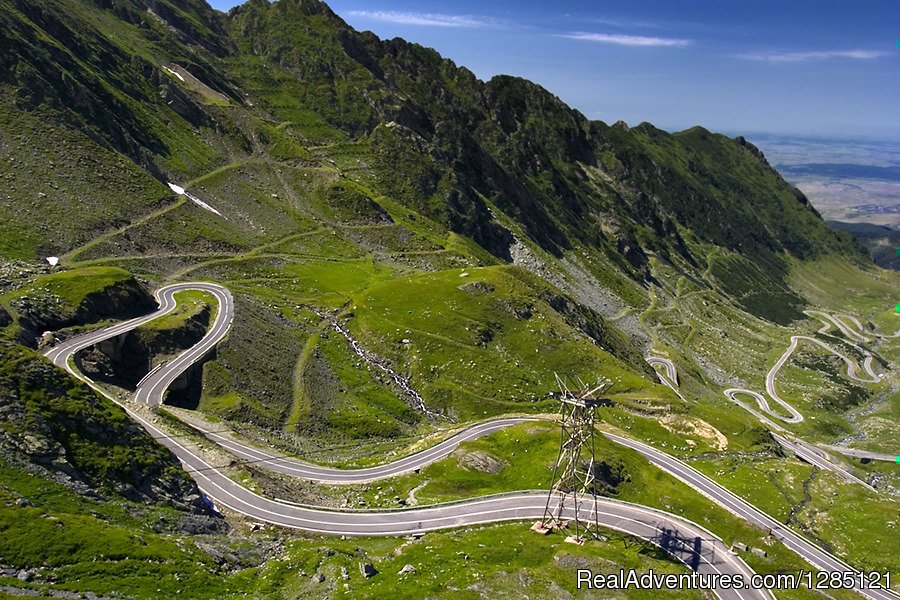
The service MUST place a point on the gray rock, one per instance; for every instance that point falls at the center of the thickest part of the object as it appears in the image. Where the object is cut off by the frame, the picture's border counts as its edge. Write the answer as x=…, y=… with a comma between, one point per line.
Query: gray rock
x=367, y=570
x=344, y=573
x=24, y=575
x=318, y=578
x=406, y=570
x=477, y=460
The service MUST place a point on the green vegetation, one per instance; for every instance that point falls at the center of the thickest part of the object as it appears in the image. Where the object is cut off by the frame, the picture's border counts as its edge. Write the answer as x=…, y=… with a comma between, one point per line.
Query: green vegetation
x=63, y=425
x=73, y=297
x=756, y=290
x=817, y=504
x=66, y=188
x=74, y=285
x=489, y=561
x=474, y=237
x=144, y=555
x=102, y=546
x=190, y=304
x=468, y=339
x=522, y=457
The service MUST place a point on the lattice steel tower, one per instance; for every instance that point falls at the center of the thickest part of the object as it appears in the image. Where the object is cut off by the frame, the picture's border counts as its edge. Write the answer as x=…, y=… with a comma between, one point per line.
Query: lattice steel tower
x=573, y=475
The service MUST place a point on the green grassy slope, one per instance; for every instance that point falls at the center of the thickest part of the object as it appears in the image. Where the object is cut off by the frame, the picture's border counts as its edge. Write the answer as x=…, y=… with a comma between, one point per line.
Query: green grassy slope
x=330, y=198
x=72, y=298
x=474, y=237
x=65, y=427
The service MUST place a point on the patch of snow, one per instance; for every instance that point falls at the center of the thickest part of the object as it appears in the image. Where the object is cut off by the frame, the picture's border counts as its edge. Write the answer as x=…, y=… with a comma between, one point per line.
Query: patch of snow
x=181, y=192
x=175, y=73
x=203, y=204
x=53, y=260
x=178, y=190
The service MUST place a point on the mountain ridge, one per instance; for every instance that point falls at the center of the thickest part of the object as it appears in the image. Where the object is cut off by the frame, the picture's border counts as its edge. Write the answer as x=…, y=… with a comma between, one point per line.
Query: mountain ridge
x=284, y=121
x=495, y=137
x=408, y=249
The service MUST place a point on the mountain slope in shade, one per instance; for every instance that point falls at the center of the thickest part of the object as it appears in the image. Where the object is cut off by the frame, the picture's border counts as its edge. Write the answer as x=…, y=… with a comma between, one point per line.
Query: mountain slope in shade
x=881, y=241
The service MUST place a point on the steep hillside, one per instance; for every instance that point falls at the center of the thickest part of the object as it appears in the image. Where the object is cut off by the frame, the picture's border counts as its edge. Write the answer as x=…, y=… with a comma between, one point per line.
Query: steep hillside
x=881, y=242
x=62, y=430
x=75, y=297
x=329, y=173
x=410, y=249
x=454, y=141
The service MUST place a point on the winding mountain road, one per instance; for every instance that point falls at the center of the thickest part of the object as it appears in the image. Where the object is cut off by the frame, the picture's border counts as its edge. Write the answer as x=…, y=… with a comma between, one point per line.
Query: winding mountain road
x=772, y=391
x=802, y=450
x=837, y=320
x=807, y=452
x=293, y=467
x=695, y=546
x=671, y=371
x=670, y=378
x=690, y=543
x=152, y=385
x=813, y=454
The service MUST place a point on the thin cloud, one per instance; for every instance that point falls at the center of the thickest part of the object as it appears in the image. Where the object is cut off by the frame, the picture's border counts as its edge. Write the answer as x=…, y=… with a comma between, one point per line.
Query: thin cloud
x=628, y=24
x=795, y=57
x=423, y=19
x=626, y=40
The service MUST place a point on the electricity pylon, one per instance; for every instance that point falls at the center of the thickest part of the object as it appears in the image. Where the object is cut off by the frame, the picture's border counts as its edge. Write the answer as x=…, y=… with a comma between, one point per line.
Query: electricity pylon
x=573, y=474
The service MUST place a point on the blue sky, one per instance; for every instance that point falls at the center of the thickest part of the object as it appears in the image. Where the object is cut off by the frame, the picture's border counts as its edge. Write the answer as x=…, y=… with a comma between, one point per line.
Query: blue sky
x=808, y=67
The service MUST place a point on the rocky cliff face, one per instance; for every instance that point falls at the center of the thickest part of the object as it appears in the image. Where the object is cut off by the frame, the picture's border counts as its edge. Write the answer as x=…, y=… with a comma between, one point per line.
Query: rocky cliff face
x=45, y=311
x=126, y=359
x=60, y=428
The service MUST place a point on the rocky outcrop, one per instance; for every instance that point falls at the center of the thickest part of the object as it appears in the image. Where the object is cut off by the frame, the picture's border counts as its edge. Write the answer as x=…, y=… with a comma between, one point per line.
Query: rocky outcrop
x=476, y=460
x=608, y=476
x=595, y=327
x=61, y=429
x=40, y=312
x=124, y=360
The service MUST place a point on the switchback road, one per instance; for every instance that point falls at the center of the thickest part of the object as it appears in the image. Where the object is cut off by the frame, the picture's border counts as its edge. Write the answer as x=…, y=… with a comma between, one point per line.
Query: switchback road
x=692, y=544
x=670, y=379
x=287, y=465
x=771, y=390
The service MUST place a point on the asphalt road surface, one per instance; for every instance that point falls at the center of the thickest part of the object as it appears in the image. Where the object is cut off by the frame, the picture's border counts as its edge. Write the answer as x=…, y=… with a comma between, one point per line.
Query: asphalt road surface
x=862, y=453
x=61, y=353
x=288, y=465
x=817, y=457
x=806, y=549
x=852, y=371
x=671, y=371
x=671, y=377
x=692, y=544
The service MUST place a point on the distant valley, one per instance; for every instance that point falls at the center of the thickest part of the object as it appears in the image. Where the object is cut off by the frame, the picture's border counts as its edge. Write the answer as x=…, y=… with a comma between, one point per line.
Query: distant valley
x=288, y=310
x=853, y=180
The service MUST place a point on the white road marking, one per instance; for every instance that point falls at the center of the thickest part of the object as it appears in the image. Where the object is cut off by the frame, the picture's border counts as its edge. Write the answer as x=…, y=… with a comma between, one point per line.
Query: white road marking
x=633, y=519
